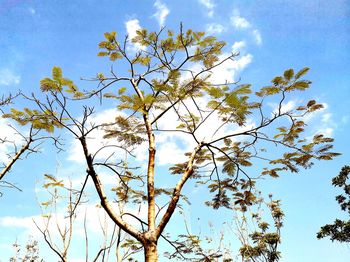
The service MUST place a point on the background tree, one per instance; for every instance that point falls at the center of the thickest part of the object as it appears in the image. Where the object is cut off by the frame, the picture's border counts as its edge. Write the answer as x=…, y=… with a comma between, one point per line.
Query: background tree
x=340, y=229
x=168, y=88
x=29, y=253
x=261, y=244
x=61, y=214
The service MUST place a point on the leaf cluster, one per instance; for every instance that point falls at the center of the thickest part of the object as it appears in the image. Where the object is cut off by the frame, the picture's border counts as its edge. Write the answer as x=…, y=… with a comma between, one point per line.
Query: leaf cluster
x=44, y=119
x=129, y=131
x=340, y=229
x=57, y=82
x=265, y=243
x=318, y=149
x=287, y=83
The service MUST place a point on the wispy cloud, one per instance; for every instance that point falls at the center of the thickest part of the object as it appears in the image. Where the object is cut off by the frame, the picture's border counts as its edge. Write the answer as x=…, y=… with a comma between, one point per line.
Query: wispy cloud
x=8, y=77
x=228, y=71
x=241, y=23
x=131, y=27
x=324, y=122
x=209, y=5
x=215, y=28
x=285, y=107
x=238, y=46
x=162, y=12
x=257, y=35
x=238, y=21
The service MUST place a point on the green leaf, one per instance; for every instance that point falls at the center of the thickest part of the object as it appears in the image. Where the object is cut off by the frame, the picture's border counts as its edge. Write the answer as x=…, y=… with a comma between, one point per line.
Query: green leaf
x=269, y=90
x=277, y=80
x=229, y=167
x=243, y=89
x=114, y=56
x=288, y=74
x=121, y=90
x=300, y=85
x=302, y=72
x=213, y=104
x=110, y=36
x=215, y=92
x=102, y=53
x=48, y=84
x=56, y=73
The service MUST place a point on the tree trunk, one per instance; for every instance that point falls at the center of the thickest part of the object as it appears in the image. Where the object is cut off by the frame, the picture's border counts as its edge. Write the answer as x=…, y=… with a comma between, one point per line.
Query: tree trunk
x=151, y=252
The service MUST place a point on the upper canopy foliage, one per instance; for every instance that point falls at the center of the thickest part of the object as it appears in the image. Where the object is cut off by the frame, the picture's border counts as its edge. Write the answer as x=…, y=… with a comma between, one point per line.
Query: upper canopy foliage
x=162, y=80
x=171, y=77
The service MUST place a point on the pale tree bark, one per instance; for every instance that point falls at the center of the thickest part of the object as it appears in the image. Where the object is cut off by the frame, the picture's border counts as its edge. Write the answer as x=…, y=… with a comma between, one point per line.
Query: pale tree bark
x=150, y=175
x=7, y=168
x=151, y=251
x=103, y=198
x=177, y=191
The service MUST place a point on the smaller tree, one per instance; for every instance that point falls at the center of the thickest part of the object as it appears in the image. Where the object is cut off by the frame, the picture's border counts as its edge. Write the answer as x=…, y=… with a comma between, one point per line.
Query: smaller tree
x=30, y=253
x=340, y=229
x=261, y=243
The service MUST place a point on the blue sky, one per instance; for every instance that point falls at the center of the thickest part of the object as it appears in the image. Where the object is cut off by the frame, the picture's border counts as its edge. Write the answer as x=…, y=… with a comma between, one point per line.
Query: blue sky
x=271, y=36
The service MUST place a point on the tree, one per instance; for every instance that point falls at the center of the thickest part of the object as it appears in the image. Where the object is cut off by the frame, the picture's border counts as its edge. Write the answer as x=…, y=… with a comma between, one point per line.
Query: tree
x=28, y=254
x=340, y=229
x=261, y=244
x=170, y=89
x=58, y=223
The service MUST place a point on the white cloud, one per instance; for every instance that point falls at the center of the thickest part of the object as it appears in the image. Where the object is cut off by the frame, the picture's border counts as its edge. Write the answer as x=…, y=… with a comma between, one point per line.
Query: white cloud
x=8, y=77
x=321, y=122
x=328, y=126
x=131, y=27
x=24, y=222
x=285, y=107
x=242, y=23
x=162, y=12
x=257, y=35
x=227, y=72
x=238, y=46
x=215, y=28
x=96, y=220
x=209, y=5
x=171, y=153
x=238, y=21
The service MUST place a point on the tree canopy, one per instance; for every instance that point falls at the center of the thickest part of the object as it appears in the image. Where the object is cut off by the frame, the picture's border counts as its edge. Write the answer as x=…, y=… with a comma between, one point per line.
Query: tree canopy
x=231, y=134
x=340, y=229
